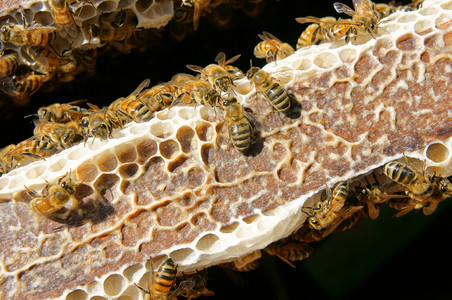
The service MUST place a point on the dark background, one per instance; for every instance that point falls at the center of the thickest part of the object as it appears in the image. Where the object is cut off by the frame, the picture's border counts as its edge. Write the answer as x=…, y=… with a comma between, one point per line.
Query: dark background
x=384, y=258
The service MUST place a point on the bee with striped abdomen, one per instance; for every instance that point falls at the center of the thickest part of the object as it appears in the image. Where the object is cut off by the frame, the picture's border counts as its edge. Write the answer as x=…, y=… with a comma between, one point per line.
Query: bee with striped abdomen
x=62, y=134
x=161, y=282
x=271, y=48
x=24, y=35
x=239, y=127
x=289, y=250
x=8, y=64
x=95, y=123
x=63, y=17
x=363, y=16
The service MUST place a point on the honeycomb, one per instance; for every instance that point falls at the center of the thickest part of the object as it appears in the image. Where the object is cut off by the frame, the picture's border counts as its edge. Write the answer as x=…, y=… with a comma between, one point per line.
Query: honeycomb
x=175, y=186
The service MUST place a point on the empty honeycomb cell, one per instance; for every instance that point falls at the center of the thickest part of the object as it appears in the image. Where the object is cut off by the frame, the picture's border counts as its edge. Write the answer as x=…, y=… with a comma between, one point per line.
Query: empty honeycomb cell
x=126, y=153
x=407, y=18
x=185, y=137
x=437, y=152
x=348, y=55
x=284, y=76
x=105, y=182
x=176, y=163
x=85, y=12
x=205, y=112
x=131, y=293
x=130, y=272
x=230, y=228
x=325, y=60
x=87, y=172
x=128, y=170
x=161, y=129
x=124, y=3
x=422, y=25
x=166, y=114
x=187, y=113
x=75, y=155
x=207, y=153
x=407, y=43
x=208, y=242
x=428, y=11
x=58, y=165
x=204, y=131
x=303, y=64
x=250, y=219
x=113, y=284
x=44, y=18
x=447, y=5
x=35, y=172
x=3, y=182
x=107, y=162
x=146, y=149
x=77, y=295
x=182, y=254
x=106, y=6
x=169, y=148
x=144, y=5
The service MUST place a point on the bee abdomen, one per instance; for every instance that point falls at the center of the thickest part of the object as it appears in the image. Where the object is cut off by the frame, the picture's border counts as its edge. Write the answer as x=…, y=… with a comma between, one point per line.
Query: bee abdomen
x=277, y=96
x=240, y=136
x=400, y=173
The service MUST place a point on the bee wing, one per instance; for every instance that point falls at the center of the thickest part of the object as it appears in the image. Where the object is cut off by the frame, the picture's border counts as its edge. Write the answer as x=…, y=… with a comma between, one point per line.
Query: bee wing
x=93, y=107
x=231, y=60
x=268, y=36
x=342, y=215
x=308, y=19
x=7, y=86
x=195, y=68
x=342, y=8
x=144, y=84
x=362, y=5
x=182, y=288
x=220, y=59
x=196, y=15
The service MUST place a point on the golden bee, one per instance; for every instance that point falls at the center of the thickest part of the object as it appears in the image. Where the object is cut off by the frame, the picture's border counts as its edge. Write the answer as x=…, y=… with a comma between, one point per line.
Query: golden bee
x=53, y=197
x=61, y=113
x=289, y=250
x=216, y=74
x=239, y=127
x=8, y=64
x=95, y=123
x=161, y=282
x=325, y=30
x=34, y=148
x=125, y=109
x=23, y=85
x=63, y=17
x=363, y=15
x=202, y=92
x=7, y=162
x=270, y=88
x=158, y=97
x=22, y=35
x=116, y=31
x=62, y=134
x=197, y=6
x=382, y=10
x=193, y=286
x=43, y=60
x=271, y=48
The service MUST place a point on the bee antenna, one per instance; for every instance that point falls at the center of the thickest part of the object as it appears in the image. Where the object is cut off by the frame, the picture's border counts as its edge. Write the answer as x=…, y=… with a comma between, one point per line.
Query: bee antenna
x=31, y=115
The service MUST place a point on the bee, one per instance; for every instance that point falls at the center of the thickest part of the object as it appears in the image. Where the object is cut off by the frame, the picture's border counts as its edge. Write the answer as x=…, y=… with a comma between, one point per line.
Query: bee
x=325, y=30
x=443, y=184
x=95, y=123
x=34, y=148
x=61, y=113
x=22, y=35
x=43, y=60
x=63, y=16
x=239, y=127
x=161, y=282
x=19, y=86
x=7, y=163
x=158, y=97
x=270, y=88
x=53, y=197
x=197, y=6
x=125, y=109
x=363, y=15
x=202, y=92
x=382, y=10
x=289, y=250
x=271, y=48
x=63, y=134
x=116, y=31
x=307, y=234
x=8, y=64
x=193, y=286
x=419, y=186
x=216, y=74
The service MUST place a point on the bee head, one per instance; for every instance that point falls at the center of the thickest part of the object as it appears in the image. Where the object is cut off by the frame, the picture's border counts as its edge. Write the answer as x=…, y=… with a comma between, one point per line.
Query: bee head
x=251, y=72
x=5, y=33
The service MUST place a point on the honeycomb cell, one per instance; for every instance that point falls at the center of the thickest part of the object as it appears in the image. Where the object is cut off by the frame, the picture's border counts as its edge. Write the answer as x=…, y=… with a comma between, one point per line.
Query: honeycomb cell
x=187, y=114
x=43, y=17
x=421, y=25
x=97, y=298
x=182, y=254
x=407, y=18
x=185, y=137
x=126, y=153
x=161, y=129
x=204, y=131
x=303, y=64
x=325, y=60
x=85, y=12
x=348, y=55
x=447, y=5
x=113, y=285
x=77, y=295
x=106, y=6
x=107, y=162
x=106, y=181
x=437, y=152
x=58, y=165
x=144, y=5
x=250, y=219
x=3, y=182
x=179, y=161
x=208, y=243
x=129, y=273
x=166, y=114
x=169, y=148
x=35, y=172
x=207, y=153
x=407, y=43
x=206, y=112
x=146, y=149
x=230, y=228
x=128, y=170
x=131, y=293
x=87, y=172
x=428, y=11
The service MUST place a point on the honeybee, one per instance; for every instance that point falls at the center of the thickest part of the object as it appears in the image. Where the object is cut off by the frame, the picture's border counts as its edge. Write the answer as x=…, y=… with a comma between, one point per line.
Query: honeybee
x=363, y=15
x=197, y=6
x=61, y=113
x=161, y=282
x=19, y=86
x=193, y=286
x=34, y=148
x=239, y=127
x=8, y=64
x=202, y=92
x=216, y=74
x=43, y=60
x=444, y=185
x=382, y=10
x=116, y=31
x=7, y=163
x=270, y=88
x=289, y=250
x=125, y=109
x=271, y=48
x=22, y=35
x=324, y=30
x=63, y=16
x=158, y=97
x=62, y=134
x=245, y=268
x=95, y=123
x=53, y=197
